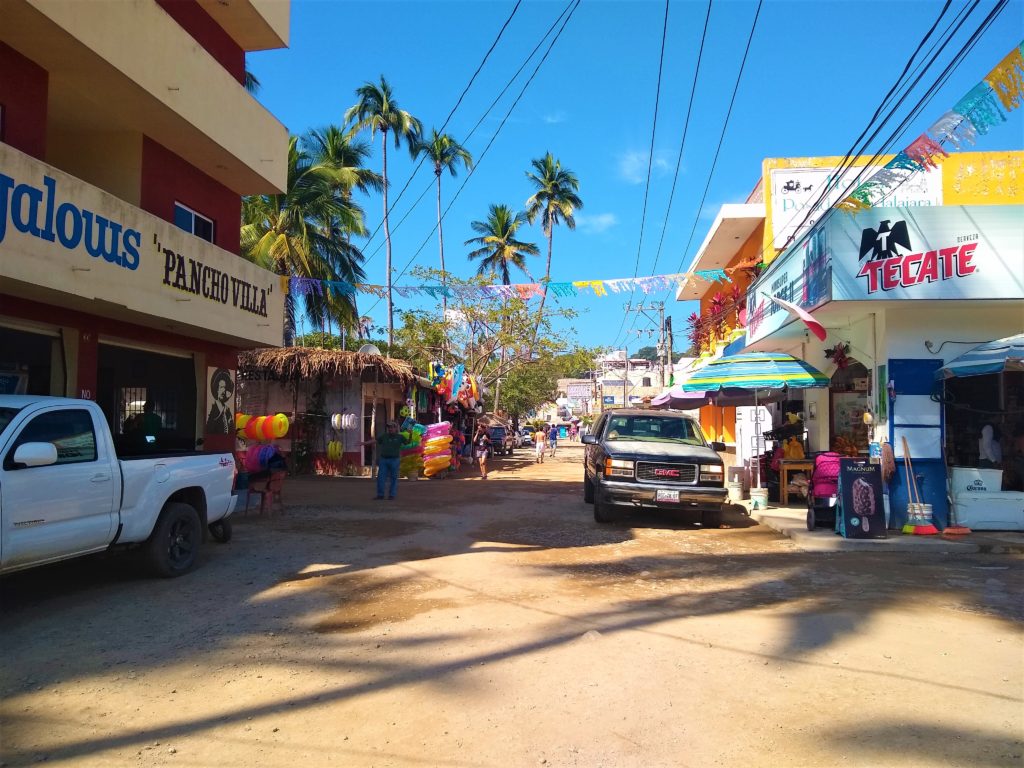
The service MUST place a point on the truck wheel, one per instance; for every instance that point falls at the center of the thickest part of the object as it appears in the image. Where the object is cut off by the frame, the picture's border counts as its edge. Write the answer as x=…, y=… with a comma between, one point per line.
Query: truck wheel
x=172, y=549
x=603, y=514
x=221, y=530
x=711, y=519
x=588, y=490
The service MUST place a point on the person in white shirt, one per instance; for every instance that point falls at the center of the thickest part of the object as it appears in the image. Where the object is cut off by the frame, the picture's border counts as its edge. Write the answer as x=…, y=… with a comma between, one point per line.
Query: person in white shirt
x=990, y=451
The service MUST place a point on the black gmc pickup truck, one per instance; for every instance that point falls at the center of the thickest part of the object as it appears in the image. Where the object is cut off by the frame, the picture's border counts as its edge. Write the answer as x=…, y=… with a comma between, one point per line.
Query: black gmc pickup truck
x=637, y=458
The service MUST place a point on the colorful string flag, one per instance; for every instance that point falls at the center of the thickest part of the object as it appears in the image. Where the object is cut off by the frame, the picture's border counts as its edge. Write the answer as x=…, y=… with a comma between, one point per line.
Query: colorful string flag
x=976, y=113
x=981, y=107
x=528, y=291
x=953, y=128
x=596, y=285
x=618, y=286
x=924, y=150
x=713, y=275
x=1007, y=79
x=562, y=289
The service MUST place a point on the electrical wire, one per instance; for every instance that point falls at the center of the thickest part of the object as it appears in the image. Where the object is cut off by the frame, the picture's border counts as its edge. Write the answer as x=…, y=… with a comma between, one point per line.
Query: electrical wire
x=575, y=5
x=430, y=184
x=650, y=159
x=450, y=114
x=679, y=160
x=725, y=128
x=929, y=94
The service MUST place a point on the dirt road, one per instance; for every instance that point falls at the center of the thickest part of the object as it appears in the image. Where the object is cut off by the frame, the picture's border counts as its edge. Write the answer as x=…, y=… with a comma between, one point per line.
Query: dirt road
x=493, y=623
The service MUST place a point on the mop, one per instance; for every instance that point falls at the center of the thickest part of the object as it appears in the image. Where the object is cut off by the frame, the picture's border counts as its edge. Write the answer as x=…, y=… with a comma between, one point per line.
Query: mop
x=919, y=521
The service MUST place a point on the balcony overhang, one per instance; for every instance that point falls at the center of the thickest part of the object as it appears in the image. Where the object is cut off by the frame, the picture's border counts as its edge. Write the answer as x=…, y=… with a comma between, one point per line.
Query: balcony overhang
x=67, y=243
x=256, y=25
x=732, y=227
x=129, y=67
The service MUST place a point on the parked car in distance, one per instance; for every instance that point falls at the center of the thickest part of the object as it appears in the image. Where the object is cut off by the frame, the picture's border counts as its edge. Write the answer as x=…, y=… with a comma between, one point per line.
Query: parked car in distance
x=643, y=459
x=65, y=492
x=502, y=442
x=527, y=435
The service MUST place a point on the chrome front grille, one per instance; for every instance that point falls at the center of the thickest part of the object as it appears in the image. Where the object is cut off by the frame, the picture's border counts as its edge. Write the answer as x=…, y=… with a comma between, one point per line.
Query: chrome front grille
x=665, y=473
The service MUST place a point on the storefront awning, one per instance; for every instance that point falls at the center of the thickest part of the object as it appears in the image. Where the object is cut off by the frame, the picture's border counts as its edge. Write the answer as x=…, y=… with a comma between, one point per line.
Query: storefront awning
x=992, y=357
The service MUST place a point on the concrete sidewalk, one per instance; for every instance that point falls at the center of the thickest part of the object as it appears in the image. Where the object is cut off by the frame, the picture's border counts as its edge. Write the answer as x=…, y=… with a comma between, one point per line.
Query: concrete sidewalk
x=791, y=521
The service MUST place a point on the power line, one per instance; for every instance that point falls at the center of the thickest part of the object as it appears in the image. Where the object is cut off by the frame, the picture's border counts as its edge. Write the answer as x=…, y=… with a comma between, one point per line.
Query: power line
x=682, y=142
x=575, y=5
x=452, y=112
x=725, y=128
x=650, y=159
x=483, y=117
x=679, y=159
x=929, y=94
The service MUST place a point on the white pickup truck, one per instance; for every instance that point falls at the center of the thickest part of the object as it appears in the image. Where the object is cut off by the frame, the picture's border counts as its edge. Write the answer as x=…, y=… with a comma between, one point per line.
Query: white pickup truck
x=64, y=492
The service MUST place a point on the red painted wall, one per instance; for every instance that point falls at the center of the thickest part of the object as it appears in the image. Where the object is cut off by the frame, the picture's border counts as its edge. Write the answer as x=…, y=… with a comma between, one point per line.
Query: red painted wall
x=91, y=327
x=218, y=43
x=23, y=92
x=167, y=179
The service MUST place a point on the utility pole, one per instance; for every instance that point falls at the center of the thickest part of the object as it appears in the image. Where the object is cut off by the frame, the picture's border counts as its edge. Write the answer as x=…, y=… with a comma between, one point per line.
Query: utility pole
x=648, y=310
x=625, y=379
x=669, y=353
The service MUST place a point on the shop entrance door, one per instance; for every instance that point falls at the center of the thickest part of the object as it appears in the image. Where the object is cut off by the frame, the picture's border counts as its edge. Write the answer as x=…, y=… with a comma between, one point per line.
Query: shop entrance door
x=369, y=425
x=30, y=363
x=128, y=379
x=849, y=395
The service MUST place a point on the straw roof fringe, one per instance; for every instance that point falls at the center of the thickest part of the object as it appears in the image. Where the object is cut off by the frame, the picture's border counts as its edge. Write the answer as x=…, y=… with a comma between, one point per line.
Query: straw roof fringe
x=296, y=363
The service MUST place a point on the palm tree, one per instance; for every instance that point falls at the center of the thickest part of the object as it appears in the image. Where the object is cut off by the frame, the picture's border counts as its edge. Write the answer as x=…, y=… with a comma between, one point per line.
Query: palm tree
x=445, y=153
x=291, y=233
x=336, y=153
x=554, y=202
x=499, y=249
x=377, y=110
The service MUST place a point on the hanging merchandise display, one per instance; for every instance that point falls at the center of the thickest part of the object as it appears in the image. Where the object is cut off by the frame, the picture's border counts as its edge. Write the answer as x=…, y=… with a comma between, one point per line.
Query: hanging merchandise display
x=271, y=427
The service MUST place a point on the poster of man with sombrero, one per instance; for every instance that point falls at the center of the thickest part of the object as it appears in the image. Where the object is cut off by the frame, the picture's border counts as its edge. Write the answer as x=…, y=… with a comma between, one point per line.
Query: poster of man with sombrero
x=221, y=385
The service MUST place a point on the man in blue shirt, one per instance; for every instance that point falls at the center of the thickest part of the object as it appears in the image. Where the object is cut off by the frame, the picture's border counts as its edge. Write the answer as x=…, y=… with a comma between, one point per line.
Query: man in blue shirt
x=553, y=439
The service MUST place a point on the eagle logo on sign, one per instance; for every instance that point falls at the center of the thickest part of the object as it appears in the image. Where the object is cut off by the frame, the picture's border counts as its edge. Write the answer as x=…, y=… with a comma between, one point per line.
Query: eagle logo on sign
x=881, y=243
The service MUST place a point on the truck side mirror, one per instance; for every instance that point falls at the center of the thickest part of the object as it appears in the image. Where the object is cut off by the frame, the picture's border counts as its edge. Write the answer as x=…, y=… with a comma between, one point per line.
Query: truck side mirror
x=717, y=446
x=590, y=439
x=35, y=454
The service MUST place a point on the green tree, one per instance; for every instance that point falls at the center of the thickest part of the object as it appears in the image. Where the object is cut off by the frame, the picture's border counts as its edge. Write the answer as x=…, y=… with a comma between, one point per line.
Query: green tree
x=554, y=202
x=288, y=233
x=491, y=339
x=499, y=250
x=338, y=155
x=445, y=153
x=377, y=110
x=647, y=353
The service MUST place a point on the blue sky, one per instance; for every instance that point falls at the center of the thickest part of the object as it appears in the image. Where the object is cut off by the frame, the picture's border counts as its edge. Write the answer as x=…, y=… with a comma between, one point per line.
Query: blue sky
x=815, y=74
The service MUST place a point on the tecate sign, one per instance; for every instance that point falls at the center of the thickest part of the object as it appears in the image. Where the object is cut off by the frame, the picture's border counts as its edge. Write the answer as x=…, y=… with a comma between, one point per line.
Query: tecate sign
x=952, y=252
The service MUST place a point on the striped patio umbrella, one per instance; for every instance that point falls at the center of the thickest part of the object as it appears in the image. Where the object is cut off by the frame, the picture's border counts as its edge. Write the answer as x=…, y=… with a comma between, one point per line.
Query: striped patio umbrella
x=756, y=370
x=992, y=357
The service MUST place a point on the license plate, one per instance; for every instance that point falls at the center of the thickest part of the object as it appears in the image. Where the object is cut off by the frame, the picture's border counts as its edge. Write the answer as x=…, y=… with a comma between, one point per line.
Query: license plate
x=672, y=496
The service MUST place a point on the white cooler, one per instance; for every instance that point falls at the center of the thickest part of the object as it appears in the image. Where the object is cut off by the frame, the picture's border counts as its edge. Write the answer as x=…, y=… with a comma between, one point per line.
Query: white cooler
x=991, y=511
x=965, y=480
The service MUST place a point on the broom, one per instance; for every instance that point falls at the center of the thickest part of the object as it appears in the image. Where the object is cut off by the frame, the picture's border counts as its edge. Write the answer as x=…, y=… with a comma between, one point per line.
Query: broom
x=954, y=529
x=921, y=524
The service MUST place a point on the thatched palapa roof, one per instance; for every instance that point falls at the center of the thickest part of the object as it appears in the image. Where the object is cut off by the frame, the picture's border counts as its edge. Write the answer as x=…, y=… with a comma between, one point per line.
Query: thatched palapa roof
x=296, y=363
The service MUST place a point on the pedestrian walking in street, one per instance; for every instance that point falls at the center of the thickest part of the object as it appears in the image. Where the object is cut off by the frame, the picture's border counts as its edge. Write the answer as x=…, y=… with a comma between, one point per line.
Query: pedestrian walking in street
x=539, y=438
x=553, y=439
x=389, y=452
x=481, y=447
